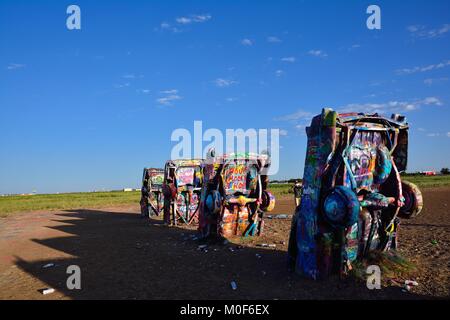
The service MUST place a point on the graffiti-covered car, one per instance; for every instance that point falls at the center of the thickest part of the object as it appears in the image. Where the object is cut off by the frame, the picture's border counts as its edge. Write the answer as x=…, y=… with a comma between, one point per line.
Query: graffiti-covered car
x=353, y=195
x=152, y=198
x=235, y=195
x=182, y=187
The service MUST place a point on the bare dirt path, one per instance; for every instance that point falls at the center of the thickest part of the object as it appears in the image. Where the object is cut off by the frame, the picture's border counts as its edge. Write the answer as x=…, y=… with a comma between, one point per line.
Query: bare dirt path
x=124, y=257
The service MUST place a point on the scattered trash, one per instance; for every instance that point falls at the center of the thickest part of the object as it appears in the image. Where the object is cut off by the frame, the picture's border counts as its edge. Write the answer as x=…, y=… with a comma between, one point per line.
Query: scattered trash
x=434, y=241
x=411, y=283
x=264, y=273
x=262, y=245
x=231, y=249
x=48, y=291
x=258, y=256
x=406, y=288
x=225, y=242
x=233, y=285
x=48, y=265
x=202, y=246
x=279, y=216
x=265, y=245
x=282, y=242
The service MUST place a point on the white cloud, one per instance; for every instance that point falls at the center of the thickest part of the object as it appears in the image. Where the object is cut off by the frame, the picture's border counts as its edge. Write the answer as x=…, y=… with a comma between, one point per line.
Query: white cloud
x=433, y=134
x=317, y=53
x=273, y=39
x=171, y=91
x=144, y=91
x=288, y=59
x=283, y=132
x=430, y=101
x=414, y=28
x=246, y=42
x=299, y=115
x=279, y=73
x=391, y=106
x=168, y=101
x=422, y=32
x=231, y=99
x=222, y=83
x=193, y=18
x=438, y=134
x=14, y=66
x=431, y=81
x=129, y=76
x=164, y=26
x=122, y=85
x=423, y=68
x=183, y=21
x=199, y=18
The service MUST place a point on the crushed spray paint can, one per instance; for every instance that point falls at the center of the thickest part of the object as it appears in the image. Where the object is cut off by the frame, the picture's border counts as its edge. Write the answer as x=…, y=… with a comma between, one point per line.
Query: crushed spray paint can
x=411, y=283
x=48, y=291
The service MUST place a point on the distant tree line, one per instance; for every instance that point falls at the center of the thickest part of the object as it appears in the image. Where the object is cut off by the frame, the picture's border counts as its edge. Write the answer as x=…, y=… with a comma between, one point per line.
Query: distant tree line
x=443, y=171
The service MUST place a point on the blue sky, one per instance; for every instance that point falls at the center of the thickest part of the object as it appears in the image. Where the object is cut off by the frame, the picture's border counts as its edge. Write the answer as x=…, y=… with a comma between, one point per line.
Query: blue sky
x=88, y=109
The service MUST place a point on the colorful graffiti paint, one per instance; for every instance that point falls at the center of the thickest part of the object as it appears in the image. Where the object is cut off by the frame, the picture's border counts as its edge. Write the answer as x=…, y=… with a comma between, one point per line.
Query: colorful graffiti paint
x=230, y=204
x=185, y=176
x=235, y=177
x=152, y=198
x=182, y=184
x=352, y=192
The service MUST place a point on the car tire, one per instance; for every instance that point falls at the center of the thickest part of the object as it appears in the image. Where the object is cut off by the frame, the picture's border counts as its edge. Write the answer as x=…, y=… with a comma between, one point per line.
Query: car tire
x=413, y=201
x=340, y=207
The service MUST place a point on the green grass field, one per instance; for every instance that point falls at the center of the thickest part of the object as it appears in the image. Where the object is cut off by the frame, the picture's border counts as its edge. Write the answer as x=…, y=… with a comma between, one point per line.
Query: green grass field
x=11, y=204
x=421, y=181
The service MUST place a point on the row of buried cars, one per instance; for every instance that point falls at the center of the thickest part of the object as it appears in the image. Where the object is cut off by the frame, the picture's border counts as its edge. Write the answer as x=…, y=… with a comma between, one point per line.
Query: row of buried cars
x=225, y=195
x=353, y=197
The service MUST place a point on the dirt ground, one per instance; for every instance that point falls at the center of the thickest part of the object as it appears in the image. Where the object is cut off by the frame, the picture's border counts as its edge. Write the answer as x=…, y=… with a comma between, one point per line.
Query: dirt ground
x=124, y=257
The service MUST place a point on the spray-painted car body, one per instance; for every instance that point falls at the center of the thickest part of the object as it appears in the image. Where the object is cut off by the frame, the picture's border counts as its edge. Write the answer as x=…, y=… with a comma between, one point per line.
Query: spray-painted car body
x=152, y=198
x=235, y=195
x=352, y=194
x=182, y=188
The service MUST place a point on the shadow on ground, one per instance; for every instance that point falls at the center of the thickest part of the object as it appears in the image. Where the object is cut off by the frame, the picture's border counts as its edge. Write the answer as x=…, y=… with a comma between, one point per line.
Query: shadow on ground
x=124, y=257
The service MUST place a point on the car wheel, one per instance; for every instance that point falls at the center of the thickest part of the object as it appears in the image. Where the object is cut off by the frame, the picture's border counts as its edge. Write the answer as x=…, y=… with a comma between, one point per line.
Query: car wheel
x=340, y=207
x=413, y=201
